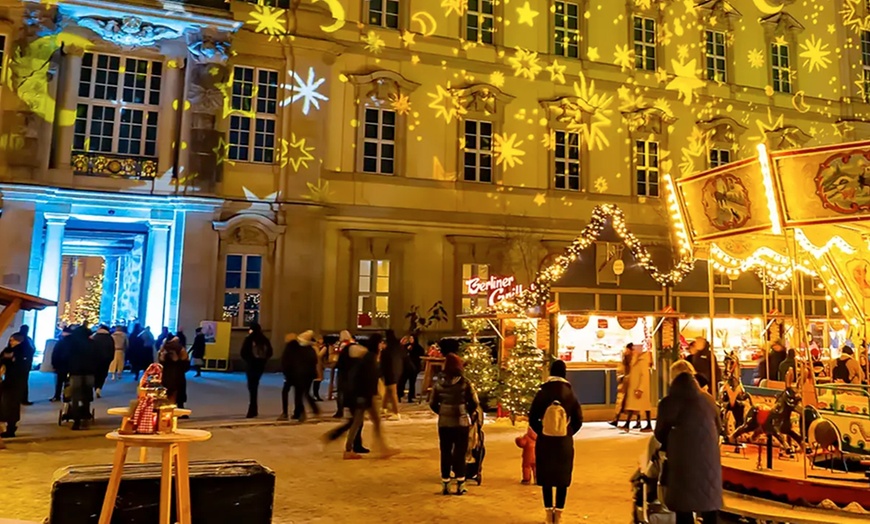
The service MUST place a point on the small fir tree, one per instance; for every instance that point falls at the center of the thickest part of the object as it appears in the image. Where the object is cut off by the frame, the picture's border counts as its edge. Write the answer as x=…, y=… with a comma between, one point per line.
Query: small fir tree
x=524, y=371
x=480, y=369
x=87, y=307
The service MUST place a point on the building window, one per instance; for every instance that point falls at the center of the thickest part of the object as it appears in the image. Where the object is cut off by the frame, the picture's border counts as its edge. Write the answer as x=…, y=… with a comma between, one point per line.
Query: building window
x=647, y=167
x=567, y=154
x=379, y=141
x=644, y=43
x=716, y=56
x=480, y=21
x=242, y=283
x=865, y=62
x=722, y=281
x=719, y=157
x=478, y=151
x=779, y=59
x=119, y=102
x=2, y=52
x=252, y=130
x=384, y=13
x=567, y=24
x=472, y=302
x=373, y=300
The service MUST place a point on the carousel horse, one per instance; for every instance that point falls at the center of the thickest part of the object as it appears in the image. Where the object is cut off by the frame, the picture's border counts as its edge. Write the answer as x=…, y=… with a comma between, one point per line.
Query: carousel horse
x=774, y=423
x=733, y=398
x=823, y=438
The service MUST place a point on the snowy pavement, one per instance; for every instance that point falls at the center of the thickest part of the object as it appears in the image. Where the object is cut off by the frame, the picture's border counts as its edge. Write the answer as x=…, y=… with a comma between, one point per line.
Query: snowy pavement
x=314, y=485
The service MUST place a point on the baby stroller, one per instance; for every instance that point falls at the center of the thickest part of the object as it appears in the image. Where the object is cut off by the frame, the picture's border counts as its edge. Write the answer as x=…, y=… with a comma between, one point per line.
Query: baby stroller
x=64, y=415
x=648, y=507
x=476, y=448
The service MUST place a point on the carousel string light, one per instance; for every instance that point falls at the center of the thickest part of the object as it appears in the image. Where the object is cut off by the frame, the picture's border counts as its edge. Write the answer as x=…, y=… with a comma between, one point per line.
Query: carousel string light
x=819, y=252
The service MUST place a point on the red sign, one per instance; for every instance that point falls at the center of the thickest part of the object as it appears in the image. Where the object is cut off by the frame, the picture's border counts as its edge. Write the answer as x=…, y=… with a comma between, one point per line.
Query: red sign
x=496, y=288
x=602, y=323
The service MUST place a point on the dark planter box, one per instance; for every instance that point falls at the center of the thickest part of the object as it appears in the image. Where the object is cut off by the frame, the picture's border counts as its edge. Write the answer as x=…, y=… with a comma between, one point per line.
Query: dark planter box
x=220, y=492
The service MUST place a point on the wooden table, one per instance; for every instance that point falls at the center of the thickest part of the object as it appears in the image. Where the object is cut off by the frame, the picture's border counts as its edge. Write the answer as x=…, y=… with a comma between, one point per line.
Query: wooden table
x=174, y=446
x=125, y=414
x=431, y=365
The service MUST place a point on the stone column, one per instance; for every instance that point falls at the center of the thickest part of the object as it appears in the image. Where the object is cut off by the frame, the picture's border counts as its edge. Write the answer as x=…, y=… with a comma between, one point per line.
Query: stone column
x=110, y=285
x=158, y=258
x=171, y=102
x=49, y=283
x=68, y=96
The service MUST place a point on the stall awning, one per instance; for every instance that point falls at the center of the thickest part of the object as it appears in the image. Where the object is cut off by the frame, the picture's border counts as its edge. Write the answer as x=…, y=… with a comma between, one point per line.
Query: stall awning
x=26, y=302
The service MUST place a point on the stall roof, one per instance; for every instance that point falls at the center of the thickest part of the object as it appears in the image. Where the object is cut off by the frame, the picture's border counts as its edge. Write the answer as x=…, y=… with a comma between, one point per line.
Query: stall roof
x=665, y=314
x=27, y=302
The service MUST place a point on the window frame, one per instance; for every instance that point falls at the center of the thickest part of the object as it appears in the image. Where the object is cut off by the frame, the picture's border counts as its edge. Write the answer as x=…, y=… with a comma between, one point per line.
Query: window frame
x=479, y=26
x=777, y=70
x=367, y=4
x=478, y=153
x=648, y=169
x=379, y=141
x=578, y=32
x=717, y=152
x=645, y=47
x=239, y=321
x=716, y=58
x=373, y=293
x=83, y=139
x=254, y=117
x=579, y=162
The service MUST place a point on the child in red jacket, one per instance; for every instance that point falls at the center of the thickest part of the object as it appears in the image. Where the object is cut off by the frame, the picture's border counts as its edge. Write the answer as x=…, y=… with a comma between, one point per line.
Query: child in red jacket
x=527, y=443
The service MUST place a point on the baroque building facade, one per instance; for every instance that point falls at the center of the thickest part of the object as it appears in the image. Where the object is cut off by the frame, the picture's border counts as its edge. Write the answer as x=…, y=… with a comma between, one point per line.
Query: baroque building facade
x=330, y=164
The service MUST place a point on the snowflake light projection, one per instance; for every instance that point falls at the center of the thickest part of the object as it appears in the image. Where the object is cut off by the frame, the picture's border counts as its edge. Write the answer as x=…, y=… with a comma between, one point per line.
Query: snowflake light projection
x=853, y=18
x=454, y=6
x=598, y=106
x=374, y=43
x=496, y=78
x=525, y=64
x=686, y=80
x=815, y=54
x=305, y=90
x=507, y=150
x=400, y=103
x=623, y=57
x=600, y=185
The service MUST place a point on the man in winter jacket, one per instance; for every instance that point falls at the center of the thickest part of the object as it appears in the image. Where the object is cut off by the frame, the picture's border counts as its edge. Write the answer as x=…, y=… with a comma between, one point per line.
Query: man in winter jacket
x=846, y=369
x=256, y=352
x=774, y=358
x=60, y=363
x=703, y=360
x=29, y=352
x=104, y=346
x=299, y=365
x=84, y=362
x=197, y=352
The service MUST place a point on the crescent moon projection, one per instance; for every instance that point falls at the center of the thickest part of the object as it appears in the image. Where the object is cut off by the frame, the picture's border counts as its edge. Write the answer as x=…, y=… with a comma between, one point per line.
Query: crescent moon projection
x=337, y=12
x=766, y=8
x=797, y=101
x=427, y=22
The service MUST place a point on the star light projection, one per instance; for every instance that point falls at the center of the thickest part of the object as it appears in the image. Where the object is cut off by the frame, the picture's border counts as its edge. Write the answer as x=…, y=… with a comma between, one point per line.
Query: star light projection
x=305, y=90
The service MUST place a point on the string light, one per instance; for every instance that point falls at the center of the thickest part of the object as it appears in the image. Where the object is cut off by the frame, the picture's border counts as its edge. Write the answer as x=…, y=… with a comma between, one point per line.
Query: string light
x=819, y=252
x=772, y=209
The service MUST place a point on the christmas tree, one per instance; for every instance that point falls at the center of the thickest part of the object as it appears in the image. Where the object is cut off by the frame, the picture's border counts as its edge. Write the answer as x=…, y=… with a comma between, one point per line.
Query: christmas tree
x=524, y=371
x=87, y=307
x=480, y=370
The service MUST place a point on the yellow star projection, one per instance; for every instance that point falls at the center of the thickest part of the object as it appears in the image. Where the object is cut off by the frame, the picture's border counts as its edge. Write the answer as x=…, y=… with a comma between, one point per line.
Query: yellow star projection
x=525, y=64
x=457, y=7
x=686, y=80
x=756, y=59
x=267, y=20
x=527, y=15
x=557, y=72
x=400, y=103
x=598, y=104
x=624, y=57
x=446, y=104
x=815, y=54
x=507, y=150
x=374, y=43
x=496, y=78
x=296, y=152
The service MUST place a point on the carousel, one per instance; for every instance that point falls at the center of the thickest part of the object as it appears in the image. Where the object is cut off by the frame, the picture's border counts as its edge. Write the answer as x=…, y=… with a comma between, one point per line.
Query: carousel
x=800, y=219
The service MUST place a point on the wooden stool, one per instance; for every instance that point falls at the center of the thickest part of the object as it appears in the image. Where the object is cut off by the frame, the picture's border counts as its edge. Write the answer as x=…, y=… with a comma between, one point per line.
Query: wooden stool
x=431, y=366
x=124, y=413
x=174, y=446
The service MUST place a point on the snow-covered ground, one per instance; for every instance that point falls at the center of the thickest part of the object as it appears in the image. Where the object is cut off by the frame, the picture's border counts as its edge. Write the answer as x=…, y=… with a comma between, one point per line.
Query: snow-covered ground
x=314, y=485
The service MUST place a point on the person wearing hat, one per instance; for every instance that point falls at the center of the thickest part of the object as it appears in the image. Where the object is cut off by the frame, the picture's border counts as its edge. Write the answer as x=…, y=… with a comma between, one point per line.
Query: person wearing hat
x=299, y=365
x=846, y=369
x=60, y=362
x=454, y=400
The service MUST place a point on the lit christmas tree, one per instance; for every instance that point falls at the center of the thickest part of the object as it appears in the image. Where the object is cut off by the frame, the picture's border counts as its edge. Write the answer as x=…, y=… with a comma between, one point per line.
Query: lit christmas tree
x=524, y=372
x=480, y=369
x=87, y=308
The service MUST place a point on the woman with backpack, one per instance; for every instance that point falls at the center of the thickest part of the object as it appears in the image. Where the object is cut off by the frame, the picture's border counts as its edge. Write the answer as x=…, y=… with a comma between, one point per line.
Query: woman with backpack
x=454, y=400
x=556, y=416
x=256, y=352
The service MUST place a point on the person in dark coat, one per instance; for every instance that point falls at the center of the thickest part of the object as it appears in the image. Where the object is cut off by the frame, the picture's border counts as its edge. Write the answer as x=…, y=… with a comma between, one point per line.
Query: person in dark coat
x=29, y=352
x=554, y=455
x=412, y=365
x=105, y=347
x=775, y=357
x=391, y=370
x=789, y=364
x=454, y=400
x=174, y=359
x=688, y=428
x=60, y=363
x=14, y=376
x=84, y=361
x=703, y=360
x=256, y=352
x=164, y=335
x=197, y=352
x=299, y=365
x=182, y=338
x=139, y=353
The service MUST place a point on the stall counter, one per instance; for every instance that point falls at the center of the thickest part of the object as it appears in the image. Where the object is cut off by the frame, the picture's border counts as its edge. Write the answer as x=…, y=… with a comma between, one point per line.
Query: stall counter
x=594, y=383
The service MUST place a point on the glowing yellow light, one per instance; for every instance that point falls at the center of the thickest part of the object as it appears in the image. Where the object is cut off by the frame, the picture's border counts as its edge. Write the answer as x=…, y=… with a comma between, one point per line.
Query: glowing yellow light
x=764, y=160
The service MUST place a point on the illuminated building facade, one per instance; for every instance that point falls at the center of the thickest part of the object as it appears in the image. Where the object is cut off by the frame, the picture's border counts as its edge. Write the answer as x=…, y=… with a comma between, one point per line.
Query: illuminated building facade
x=328, y=164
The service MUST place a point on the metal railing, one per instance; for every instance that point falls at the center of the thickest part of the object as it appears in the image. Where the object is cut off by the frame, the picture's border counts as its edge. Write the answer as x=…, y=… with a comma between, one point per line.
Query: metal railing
x=111, y=165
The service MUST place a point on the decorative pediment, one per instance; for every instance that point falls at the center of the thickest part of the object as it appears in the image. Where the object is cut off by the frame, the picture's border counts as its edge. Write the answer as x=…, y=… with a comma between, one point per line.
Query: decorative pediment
x=786, y=137
x=248, y=229
x=722, y=129
x=382, y=85
x=482, y=98
x=647, y=120
x=568, y=110
x=205, y=48
x=781, y=24
x=721, y=9
x=130, y=31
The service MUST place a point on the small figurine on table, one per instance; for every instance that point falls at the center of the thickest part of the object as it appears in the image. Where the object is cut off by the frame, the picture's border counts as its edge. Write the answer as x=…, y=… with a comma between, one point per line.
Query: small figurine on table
x=151, y=411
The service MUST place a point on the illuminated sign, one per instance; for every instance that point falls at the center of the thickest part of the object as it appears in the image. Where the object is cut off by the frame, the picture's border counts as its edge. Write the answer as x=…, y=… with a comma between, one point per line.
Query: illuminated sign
x=496, y=288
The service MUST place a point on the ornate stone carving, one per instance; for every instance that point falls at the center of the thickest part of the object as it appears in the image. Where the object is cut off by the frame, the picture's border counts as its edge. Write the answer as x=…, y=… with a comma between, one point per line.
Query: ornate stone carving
x=249, y=236
x=647, y=120
x=131, y=31
x=722, y=129
x=482, y=98
x=39, y=21
x=204, y=93
x=207, y=49
x=781, y=24
x=786, y=137
x=382, y=85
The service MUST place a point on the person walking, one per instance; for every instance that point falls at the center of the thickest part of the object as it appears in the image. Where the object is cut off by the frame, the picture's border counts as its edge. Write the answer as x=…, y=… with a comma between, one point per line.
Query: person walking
x=345, y=340
x=60, y=363
x=13, y=375
x=182, y=338
x=556, y=416
x=148, y=354
x=164, y=335
x=412, y=367
x=623, y=369
x=175, y=361
x=688, y=428
x=135, y=351
x=846, y=369
x=28, y=352
x=391, y=370
x=105, y=348
x=322, y=352
x=256, y=352
x=637, y=395
x=84, y=363
x=197, y=352
x=120, y=341
x=454, y=400
x=703, y=360
x=789, y=364
x=299, y=365
x=361, y=387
